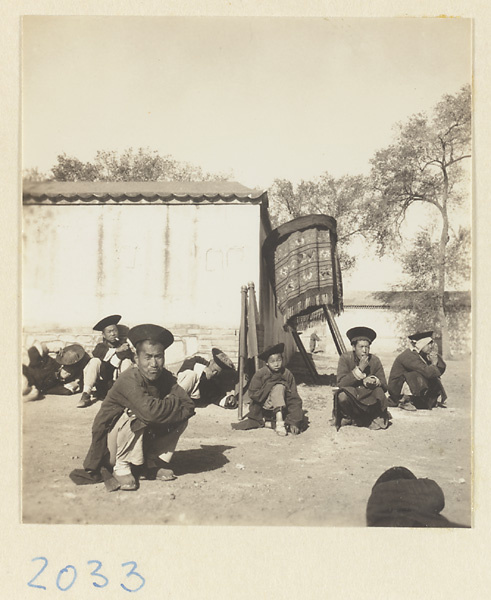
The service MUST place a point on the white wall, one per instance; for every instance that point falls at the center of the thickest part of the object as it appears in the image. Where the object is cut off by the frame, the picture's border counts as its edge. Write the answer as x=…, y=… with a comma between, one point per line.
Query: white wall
x=169, y=264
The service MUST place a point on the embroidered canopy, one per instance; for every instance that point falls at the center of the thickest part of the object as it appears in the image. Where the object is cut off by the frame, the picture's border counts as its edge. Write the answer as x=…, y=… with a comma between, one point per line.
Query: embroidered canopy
x=303, y=265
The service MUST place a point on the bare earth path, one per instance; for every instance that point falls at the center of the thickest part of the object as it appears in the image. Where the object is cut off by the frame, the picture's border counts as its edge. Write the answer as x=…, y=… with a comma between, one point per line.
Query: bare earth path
x=228, y=477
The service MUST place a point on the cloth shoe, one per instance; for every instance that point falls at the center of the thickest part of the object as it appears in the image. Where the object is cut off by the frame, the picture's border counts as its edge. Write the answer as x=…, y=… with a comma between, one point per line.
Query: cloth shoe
x=84, y=401
x=160, y=471
x=406, y=404
x=280, y=429
x=127, y=482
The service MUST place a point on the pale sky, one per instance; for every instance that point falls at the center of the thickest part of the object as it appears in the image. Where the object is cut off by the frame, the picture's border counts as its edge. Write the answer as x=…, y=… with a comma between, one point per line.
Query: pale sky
x=262, y=97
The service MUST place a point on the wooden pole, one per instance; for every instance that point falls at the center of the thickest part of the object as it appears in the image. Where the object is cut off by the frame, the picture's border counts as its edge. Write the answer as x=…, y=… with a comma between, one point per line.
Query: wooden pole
x=242, y=347
x=310, y=364
x=252, y=326
x=333, y=328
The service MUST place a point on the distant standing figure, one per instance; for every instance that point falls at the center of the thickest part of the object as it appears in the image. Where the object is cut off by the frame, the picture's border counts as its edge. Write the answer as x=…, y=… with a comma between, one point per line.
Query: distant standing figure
x=109, y=359
x=361, y=398
x=414, y=380
x=314, y=338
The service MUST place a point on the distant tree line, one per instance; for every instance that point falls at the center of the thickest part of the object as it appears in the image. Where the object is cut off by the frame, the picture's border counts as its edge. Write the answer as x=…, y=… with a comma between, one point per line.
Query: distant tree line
x=129, y=165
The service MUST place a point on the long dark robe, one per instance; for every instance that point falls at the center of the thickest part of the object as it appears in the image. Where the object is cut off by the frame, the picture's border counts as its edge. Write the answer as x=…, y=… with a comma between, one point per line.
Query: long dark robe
x=362, y=405
x=157, y=404
x=422, y=377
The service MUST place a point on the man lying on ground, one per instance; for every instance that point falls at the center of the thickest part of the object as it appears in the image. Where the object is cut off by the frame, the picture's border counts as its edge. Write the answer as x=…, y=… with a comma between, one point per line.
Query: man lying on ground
x=140, y=420
x=361, y=398
x=209, y=381
x=399, y=499
x=414, y=380
x=273, y=394
x=109, y=359
x=61, y=376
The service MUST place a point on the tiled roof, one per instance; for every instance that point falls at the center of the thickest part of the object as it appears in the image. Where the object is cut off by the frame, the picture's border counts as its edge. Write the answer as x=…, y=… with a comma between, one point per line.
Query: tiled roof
x=399, y=299
x=131, y=192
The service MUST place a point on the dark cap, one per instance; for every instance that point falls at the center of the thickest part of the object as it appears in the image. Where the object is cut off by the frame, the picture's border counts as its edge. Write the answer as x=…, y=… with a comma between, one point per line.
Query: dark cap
x=395, y=473
x=221, y=359
x=152, y=333
x=276, y=349
x=70, y=355
x=419, y=336
x=355, y=334
x=106, y=321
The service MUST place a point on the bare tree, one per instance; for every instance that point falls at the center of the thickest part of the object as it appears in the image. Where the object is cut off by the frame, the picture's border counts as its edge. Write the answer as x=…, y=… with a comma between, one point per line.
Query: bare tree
x=424, y=165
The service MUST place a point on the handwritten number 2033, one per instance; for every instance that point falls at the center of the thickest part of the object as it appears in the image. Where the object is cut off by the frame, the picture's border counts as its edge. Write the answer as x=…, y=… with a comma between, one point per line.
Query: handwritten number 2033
x=67, y=576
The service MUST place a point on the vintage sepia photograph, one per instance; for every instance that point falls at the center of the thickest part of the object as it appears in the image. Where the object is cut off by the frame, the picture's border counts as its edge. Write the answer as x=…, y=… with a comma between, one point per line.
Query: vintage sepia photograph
x=246, y=271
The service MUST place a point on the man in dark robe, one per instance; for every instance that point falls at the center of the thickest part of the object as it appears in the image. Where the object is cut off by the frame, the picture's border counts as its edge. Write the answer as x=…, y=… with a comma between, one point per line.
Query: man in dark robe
x=360, y=399
x=110, y=358
x=141, y=418
x=414, y=380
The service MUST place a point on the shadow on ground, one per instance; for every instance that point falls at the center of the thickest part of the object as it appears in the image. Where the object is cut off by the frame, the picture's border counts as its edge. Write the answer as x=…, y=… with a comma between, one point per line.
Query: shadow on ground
x=206, y=458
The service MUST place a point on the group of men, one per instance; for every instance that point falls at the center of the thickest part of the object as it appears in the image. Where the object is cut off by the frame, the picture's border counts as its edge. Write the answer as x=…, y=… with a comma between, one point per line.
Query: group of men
x=146, y=408
x=364, y=395
x=73, y=370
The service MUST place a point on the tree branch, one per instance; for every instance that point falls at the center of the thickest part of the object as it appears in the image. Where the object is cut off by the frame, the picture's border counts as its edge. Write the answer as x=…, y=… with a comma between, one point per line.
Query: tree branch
x=458, y=159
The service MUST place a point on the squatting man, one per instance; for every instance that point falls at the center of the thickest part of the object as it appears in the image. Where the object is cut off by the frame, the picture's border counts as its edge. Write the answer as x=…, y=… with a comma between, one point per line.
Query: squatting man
x=138, y=426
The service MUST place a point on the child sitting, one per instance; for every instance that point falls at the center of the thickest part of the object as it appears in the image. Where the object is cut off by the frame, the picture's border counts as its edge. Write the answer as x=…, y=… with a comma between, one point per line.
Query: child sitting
x=273, y=389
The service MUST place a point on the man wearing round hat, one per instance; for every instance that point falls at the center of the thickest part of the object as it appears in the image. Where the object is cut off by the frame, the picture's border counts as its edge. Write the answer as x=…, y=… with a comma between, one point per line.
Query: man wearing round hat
x=61, y=376
x=141, y=418
x=361, y=398
x=110, y=358
x=208, y=381
x=414, y=380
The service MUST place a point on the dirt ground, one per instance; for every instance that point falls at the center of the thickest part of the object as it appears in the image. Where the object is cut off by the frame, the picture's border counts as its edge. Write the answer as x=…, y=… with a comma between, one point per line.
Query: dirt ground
x=228, y=477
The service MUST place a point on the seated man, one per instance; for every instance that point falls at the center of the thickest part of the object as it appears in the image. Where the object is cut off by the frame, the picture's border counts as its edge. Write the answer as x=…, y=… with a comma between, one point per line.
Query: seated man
x=414, y=379
x=209, y=381
x=361, y=398
x=141, y=418
x=61, y=376
x=109, y=359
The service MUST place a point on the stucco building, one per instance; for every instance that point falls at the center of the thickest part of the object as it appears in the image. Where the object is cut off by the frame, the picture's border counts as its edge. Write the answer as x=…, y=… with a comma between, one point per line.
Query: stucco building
x=174, y=253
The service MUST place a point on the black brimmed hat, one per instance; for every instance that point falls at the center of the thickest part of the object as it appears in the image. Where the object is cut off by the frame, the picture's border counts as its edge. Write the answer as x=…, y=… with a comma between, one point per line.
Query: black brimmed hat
x=106, y=321
x=355, y=334
x=221, y=359
x=70, y=355
x=276, y=349
x=152, y=333
x=395, y=473
x=419, y=336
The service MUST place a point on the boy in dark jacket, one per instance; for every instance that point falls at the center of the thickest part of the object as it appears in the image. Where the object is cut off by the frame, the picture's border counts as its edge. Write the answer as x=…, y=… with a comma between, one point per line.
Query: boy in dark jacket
x=273, y=390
